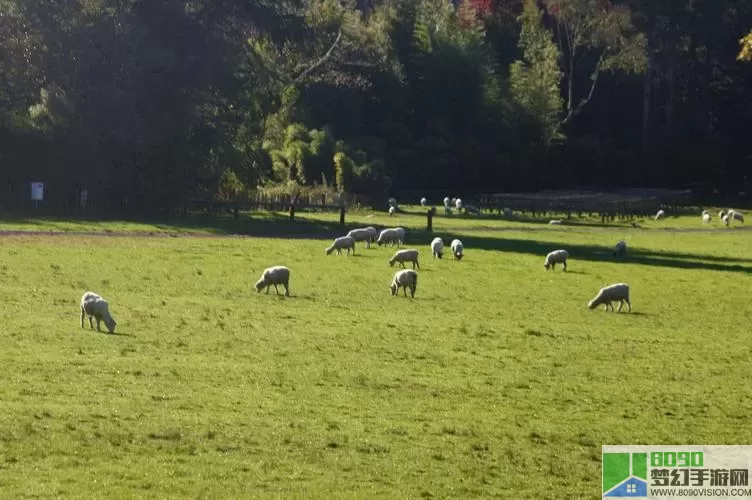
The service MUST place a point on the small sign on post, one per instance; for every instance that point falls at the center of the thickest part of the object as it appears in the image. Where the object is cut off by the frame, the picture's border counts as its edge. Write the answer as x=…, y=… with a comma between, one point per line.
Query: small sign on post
x=37, y=193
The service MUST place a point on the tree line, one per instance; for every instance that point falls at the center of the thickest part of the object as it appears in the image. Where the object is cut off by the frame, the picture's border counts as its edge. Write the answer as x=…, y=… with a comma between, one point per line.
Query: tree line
x=146, y=100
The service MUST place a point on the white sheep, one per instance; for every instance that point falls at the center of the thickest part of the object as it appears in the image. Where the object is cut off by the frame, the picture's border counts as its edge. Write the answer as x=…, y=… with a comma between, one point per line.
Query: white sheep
x=660, y=215
x=406, y=278
x=721, y=214
x=706, y=218
x=705, y=212
x=367, y=234
x=423, y=202
x=458, y=204
x=341, y=243
x=457, y=249
x=276, y=275
x=725, y=219
x=555, y=222
x=437, y=248
x=390, y=235
x=392, y=211
x=556, y=257
x=94, y=306
x=472, y=209
x=620, y=249
x=403, y=256
x=612, y=293
x=446, y=201
x=734, y=215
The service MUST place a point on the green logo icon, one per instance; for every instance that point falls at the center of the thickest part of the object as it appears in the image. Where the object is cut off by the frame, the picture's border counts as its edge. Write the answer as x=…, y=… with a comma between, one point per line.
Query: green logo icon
x=625, y=475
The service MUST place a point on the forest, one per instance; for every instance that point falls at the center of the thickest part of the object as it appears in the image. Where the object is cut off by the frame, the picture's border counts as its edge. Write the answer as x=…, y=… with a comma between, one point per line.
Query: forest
x=156, y=101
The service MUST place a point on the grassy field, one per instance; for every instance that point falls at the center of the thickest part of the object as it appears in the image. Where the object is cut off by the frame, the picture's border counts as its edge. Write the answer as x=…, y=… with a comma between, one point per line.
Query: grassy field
x=495, y=381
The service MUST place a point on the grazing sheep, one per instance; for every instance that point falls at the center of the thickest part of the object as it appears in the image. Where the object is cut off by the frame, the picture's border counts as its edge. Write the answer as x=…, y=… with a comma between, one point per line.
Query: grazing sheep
x=392, y=211
x=403, y=256
x=367, y=234
x=612, y=293
x=457, y=249
x=343, y=242
x=94, y=306
x=705, y=212
x=390, y=235
x=721, y=214
x=472, y=210
x=660, y=215
x=423, y=202
x=556, y=257
x=458, y=205
x=706, y=218
x=446, y=201
x=276, y=275
x=437, y=248
x=734, y=215
x=725, y=220
x=620, y=249
x=407, y=278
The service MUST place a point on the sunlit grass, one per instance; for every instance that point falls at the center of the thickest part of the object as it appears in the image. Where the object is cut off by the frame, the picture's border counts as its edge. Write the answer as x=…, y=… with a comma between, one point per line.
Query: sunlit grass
x=496, y=380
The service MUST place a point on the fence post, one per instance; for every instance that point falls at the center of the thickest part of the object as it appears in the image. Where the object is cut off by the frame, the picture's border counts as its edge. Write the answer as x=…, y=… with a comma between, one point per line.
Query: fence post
x=292, y=212
x=342, y=215
x=429, y=223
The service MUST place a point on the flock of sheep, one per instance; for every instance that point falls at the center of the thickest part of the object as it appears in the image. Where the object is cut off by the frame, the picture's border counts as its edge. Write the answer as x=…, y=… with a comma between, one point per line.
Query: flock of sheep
x=97, y=308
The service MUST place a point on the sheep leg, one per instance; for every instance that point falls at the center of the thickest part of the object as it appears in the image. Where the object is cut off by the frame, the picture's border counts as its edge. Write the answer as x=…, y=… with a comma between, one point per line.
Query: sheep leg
x=287, y=290
x=565, y=265
x=91, y=322
x=402, y=264
x=83, y=314
x=629, y=305
x=404, y=289
x=98, y=320
x=553, y=266
x=276, y=289
x=621, y=304
x=267, y=289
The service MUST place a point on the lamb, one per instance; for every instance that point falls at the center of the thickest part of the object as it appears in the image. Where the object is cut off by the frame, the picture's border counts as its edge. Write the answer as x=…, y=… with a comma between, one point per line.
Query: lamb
x=457, y=249
x=472, y=209
x=403, y=256
x=660, y=215
x=734, y=215
x=343, y=242
x=407, y=278
x=437, y=248
x=612, y=293
x=276, y=275
x=423, y=202
x=620, y=249
x=367, y=234
x=555, y=222
x=556, y=257
x=94, y=306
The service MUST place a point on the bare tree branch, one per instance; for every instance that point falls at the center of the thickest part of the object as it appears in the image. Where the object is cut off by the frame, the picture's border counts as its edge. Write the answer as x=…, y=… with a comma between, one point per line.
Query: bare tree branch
x=575, y=111
x=322, y=60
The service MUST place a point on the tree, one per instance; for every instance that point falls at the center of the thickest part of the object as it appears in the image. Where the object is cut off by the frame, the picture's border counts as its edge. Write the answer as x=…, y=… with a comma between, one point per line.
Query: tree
x=745, y=54
x=535, y=80
x=601, y=30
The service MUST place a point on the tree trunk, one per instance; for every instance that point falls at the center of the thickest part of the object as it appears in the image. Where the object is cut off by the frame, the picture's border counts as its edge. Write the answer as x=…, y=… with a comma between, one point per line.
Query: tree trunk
x=647, y=97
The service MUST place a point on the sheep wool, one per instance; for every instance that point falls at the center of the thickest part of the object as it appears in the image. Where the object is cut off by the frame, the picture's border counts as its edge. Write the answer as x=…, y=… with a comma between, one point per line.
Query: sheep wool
x=403, y=256
x=620, y=249
x=555, y=222
x=366, y=234
x=437, y=248
x=472, y=209
x=556, y=257
x=706, y=218
x=660, y=215
x=607, y=295
x=94, y=306
x=457, y=249
x=273, y=276
x=738, y=216
x=341, y=243
x=423, y=202
x=407, y=278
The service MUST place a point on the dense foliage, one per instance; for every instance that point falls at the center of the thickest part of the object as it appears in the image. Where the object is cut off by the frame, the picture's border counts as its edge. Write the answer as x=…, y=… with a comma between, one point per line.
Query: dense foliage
x=168, y=99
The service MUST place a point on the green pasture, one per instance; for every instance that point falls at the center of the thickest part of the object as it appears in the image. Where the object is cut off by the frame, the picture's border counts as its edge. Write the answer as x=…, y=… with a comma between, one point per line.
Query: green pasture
x=495, y=381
